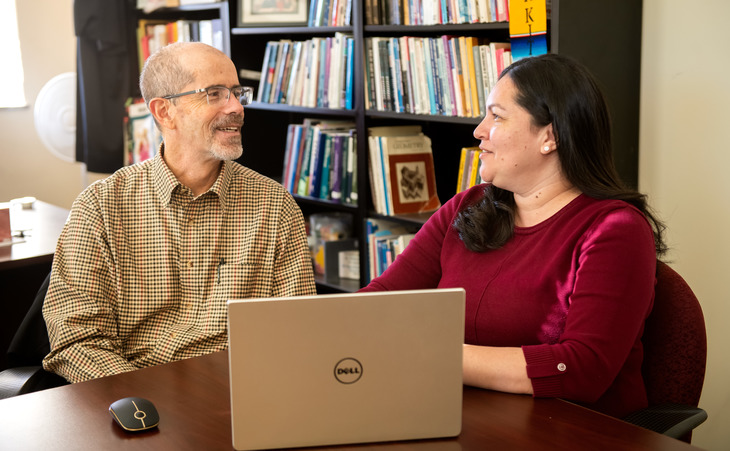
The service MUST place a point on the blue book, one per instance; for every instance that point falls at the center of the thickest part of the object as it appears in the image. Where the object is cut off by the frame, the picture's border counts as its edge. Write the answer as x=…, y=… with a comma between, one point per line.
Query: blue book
x=337, y=166
x=295, y=157
x=323, y=191
x=269, y=76
x=313, y=6
x=397, y=76
x=303, y=182
x=287, y=155
x=349, y=72
x=315, y=168
x=384, y=162
x=322, y=81
x=428, y=62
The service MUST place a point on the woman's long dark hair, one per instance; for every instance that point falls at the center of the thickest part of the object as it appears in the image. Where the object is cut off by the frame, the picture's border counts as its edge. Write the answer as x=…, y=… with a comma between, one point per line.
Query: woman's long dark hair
x=557, y=90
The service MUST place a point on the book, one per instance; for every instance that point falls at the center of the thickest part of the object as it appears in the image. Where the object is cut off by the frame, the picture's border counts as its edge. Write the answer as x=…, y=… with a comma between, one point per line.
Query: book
x=142, y=138
x=307, y=180
x=381, y=238
x=402, y=173
x=468, y=169
x=470, y=43
x=412, y=174
x=349, y=72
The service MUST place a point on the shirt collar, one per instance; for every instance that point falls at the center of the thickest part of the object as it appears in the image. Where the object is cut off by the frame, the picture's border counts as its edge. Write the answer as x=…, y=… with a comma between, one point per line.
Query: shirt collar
x=165, y=181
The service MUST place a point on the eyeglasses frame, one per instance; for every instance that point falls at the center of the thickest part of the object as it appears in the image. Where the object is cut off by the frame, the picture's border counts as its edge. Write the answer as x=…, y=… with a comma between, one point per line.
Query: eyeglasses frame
x=205, y=90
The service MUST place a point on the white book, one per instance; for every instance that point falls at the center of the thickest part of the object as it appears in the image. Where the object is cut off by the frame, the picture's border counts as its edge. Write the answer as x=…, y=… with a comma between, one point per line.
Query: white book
x=455, y=70
x=312, y=83
x=297, y=96
x=206, y=32
x=422, y=83
x=377, y=74
x=336, y=66
x=485, y=56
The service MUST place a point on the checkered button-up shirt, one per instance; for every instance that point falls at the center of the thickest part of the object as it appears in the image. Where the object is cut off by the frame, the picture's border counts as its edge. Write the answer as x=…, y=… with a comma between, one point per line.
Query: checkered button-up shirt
x=143, y=269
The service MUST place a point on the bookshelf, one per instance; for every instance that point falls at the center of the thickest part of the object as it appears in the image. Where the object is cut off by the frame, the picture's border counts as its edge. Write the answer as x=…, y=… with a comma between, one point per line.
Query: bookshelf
x=605, y=36
x=186, y=12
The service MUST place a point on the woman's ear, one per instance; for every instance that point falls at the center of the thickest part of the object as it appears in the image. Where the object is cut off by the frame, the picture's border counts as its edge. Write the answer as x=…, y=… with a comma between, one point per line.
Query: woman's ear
x=163, y=112
x=550, y=143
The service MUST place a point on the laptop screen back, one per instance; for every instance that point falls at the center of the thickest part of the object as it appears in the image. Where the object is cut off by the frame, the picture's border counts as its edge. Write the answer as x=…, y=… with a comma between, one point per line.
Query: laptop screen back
x=346, y=368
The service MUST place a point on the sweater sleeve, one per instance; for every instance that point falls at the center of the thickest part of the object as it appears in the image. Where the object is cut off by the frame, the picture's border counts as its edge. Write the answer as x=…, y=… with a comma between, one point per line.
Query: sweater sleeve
x=613, y=294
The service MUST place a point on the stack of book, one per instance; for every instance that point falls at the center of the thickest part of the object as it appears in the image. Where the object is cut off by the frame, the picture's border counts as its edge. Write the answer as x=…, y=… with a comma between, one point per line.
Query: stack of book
x=142, y=138
x=468, y=169
x=435, y=12
x=386, y=240
x=317, y=73
x=402, y=177
x=330, y=13
x=445, y=75
x=155, y=34
x=320, y=160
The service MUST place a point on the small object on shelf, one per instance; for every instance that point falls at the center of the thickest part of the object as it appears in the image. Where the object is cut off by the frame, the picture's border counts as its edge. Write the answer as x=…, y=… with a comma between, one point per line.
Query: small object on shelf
x=325, y=227
x=5, y=234
x=349, y=264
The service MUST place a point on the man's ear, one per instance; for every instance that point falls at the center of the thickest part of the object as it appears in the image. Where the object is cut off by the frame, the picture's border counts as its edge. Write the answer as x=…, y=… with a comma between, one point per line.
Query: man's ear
x=163, y=112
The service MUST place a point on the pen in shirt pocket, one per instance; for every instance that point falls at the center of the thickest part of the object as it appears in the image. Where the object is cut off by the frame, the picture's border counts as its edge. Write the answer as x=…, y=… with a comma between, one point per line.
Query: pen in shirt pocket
x=218, y=269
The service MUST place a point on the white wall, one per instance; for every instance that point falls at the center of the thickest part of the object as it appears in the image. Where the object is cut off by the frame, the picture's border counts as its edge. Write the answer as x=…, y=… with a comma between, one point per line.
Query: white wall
x=48, y=47
x=683, y=167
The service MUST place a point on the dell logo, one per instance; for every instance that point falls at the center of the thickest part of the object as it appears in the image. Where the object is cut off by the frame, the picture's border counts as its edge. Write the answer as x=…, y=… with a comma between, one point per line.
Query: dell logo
x=348, y=371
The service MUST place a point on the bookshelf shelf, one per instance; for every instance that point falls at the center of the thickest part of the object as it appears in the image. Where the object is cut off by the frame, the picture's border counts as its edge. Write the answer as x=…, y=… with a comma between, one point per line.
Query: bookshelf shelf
x=423, y=117
x=502, y=27
x=606, y=38
x=290, y=31
x=301, y=110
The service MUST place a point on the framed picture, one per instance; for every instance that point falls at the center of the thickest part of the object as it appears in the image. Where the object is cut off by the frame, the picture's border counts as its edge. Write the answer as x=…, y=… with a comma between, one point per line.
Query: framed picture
x=259, y=13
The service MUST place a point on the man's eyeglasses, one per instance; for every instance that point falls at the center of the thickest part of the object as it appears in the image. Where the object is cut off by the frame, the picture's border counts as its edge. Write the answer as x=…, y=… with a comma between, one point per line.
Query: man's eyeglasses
x=217, y=95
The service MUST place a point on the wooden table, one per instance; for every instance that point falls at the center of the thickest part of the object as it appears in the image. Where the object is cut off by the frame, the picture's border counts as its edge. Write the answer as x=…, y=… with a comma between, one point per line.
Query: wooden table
x=41, y=227
x=24, y=265
x=192, y=398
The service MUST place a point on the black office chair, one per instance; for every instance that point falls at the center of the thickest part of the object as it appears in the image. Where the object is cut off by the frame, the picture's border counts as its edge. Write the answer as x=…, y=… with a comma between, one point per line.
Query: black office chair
x=26, y=352
x=675, y=353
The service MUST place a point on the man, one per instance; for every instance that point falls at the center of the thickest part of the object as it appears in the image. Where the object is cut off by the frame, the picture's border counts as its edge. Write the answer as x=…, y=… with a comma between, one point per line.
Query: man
x=150, y=255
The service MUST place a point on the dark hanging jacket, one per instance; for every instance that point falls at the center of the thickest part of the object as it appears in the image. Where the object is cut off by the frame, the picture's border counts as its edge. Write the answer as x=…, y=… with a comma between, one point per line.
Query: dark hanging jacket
x=104, y=73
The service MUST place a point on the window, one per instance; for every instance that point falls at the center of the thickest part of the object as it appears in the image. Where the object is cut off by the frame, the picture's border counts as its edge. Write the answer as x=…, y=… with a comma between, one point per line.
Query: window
x=12, y=92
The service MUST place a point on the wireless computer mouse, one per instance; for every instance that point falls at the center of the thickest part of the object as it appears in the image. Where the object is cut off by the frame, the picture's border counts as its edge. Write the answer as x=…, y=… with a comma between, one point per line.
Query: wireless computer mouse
x=134, y=414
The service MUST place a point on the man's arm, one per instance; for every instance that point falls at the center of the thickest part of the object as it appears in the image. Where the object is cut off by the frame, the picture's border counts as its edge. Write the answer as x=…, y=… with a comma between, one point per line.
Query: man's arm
x=293, y=274
x=79, y=307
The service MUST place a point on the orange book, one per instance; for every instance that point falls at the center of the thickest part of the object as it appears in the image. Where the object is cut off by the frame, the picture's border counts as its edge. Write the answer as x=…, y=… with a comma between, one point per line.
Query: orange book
x=472, y=75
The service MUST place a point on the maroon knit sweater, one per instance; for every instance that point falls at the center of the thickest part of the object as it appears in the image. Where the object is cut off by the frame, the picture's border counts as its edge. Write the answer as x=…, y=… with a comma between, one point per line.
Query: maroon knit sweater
x=573, y=292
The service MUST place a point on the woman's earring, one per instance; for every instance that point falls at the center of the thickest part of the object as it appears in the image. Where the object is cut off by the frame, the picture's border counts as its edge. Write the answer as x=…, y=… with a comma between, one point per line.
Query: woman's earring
x=546, y=148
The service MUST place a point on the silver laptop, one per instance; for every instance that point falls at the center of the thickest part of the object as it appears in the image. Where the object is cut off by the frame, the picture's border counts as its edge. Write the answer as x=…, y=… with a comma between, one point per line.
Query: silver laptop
x=346, y=368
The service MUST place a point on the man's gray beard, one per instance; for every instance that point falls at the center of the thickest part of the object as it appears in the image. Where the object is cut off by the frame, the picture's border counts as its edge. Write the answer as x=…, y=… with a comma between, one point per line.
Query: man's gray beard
x=226, y=152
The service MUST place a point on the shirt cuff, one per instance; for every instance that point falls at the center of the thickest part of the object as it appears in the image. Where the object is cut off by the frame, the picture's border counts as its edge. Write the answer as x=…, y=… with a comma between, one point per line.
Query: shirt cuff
x=544, y=371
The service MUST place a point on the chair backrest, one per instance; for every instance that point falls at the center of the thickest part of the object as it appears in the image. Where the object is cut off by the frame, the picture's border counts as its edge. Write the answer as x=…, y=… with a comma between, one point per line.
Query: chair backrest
x=30, y=343
x=675, y=342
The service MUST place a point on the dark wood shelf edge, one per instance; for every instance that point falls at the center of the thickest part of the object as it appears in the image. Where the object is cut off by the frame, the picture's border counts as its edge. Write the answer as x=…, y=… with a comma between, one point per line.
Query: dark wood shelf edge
x=300, y=109
x=243, y=31
x=336, y=285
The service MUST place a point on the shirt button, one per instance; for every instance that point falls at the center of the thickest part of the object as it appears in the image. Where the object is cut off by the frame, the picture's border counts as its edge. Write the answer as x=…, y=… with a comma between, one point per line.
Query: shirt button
x=561, y=367
x=173, y=335
x=190, y=263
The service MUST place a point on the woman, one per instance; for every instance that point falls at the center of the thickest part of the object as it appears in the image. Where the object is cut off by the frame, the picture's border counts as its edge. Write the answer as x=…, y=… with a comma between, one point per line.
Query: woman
x=557, y=257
